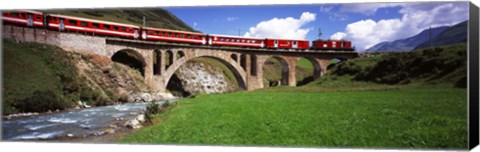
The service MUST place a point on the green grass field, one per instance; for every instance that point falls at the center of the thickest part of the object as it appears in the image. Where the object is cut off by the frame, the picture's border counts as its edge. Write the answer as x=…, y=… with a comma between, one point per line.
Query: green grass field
x=409, y=117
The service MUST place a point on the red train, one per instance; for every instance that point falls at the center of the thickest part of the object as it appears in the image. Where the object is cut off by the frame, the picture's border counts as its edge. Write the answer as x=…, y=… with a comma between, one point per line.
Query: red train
x=336, y=45
x=97, y=27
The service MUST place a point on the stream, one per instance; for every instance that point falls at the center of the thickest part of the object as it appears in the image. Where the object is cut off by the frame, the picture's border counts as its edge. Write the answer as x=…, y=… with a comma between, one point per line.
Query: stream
x=79, y=123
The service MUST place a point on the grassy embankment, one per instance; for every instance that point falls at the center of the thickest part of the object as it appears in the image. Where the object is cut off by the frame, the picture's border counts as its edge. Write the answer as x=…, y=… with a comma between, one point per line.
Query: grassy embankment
x=39, y=77
x=350, y=107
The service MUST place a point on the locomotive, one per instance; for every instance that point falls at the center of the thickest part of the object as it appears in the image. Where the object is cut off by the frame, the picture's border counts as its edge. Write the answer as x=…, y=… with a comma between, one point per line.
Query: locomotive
x=113, y=29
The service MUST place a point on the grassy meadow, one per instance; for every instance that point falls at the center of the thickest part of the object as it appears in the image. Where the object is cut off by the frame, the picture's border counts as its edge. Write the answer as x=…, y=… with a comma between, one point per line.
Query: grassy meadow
x=410, y=117
x=423, y=106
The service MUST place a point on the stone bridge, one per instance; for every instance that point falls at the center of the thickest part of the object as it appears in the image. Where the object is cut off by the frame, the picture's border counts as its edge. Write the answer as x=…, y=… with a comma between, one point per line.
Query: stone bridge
x=159, y=61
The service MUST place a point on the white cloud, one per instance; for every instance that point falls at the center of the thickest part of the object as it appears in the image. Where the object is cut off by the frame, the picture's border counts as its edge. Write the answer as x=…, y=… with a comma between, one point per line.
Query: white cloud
x=416, y=17
x=195, y=24
x=282, y=27
x=338, y=36
x=232, y=18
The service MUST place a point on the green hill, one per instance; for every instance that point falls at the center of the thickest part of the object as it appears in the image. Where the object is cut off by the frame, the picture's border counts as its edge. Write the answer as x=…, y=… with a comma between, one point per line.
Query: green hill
x=441, y=65
x=155, y=17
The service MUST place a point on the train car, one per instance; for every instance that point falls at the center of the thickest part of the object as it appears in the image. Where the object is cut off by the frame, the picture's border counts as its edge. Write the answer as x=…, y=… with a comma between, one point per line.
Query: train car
x=224, y=40
x=76, y=24
x=156, y=34
x=23, y=17
x=287, y=44
x=342, y=45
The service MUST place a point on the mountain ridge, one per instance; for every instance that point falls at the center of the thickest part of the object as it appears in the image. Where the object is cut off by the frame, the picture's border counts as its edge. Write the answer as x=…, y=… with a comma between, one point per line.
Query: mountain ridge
x=441, y=36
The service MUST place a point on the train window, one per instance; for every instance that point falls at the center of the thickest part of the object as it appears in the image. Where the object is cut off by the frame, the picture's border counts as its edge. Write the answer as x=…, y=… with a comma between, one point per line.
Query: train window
x=85, y=24
x=150, y=32
x=243, y=41
x=14, y=14
x=176, y=34
x=182, y=35
x=157, y=33
x=238, y=40
x=106, y=27
x=95, y=25
x=248, y=41
x=253, y=41
x=38, y=17
x=72, y=22
x=124, y=29
x=288, y=42
x=115, y=28
x=294, y=42
x=189, y=36
x=164, y=33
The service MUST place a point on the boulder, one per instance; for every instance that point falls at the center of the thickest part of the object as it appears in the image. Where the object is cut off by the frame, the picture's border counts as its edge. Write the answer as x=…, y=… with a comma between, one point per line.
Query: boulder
x=134, y=124
x=141, y=118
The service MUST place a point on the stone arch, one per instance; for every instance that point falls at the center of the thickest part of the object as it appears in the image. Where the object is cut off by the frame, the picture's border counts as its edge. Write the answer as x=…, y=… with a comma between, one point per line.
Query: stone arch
x=243, y=61
x=157, y=62
x=179, y=55
x=234, y=57
x=131, y=58
x=284, y=68
x=317, y=68
x=240, y=74
x=169, y=58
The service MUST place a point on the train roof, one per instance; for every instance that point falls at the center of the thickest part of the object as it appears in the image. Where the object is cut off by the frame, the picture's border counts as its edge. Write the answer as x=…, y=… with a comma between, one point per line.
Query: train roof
x=153, y=28
x=93, y=20
x=240, y=37
x=28, y=11
x=331, y=40
x=286, y=39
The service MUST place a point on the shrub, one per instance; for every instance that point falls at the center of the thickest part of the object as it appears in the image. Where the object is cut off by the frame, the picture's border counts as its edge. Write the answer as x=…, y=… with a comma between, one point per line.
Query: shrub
x=41, y=101
x=152, y=109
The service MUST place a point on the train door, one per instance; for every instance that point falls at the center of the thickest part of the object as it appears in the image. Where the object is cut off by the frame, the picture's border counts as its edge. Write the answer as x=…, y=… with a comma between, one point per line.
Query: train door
x=144, y=34
x=62, y=24
x=275, y=43
x=210, y=41
x=295, y=44
x=135, y=33
x=204, y=41
x=29, y=19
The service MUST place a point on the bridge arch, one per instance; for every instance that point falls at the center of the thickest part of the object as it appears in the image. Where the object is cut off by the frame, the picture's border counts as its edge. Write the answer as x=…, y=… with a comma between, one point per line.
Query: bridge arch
x=235, y=68
x=284, y=76
x=131, y=58
x=317, y=67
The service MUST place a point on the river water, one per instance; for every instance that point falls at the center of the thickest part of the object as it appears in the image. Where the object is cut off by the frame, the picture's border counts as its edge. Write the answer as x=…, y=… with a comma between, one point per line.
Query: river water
x=79, y=123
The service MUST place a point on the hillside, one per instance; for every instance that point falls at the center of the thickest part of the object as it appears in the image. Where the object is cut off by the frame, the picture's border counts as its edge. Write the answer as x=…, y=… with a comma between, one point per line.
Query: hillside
x=407, y=44
x=455, y=34
x=443, y=65
x=155, y=17
x=39, y=78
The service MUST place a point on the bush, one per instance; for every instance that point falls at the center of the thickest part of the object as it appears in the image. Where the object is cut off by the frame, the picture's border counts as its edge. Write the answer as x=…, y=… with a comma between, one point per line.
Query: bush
x=89, y=95
x=154, y=108
x=41, y=101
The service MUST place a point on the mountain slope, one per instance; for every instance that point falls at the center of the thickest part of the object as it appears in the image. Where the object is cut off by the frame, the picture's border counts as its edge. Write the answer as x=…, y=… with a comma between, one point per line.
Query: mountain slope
x=407, y=43
x=454, y=34
x=155, y=17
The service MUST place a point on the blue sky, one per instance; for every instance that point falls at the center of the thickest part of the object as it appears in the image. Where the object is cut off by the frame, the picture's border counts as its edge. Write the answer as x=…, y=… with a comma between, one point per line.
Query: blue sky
x=364, y=24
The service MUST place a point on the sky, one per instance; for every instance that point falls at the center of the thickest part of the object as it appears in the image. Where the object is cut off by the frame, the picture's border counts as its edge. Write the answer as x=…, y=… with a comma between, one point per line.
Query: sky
x=365, y=24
